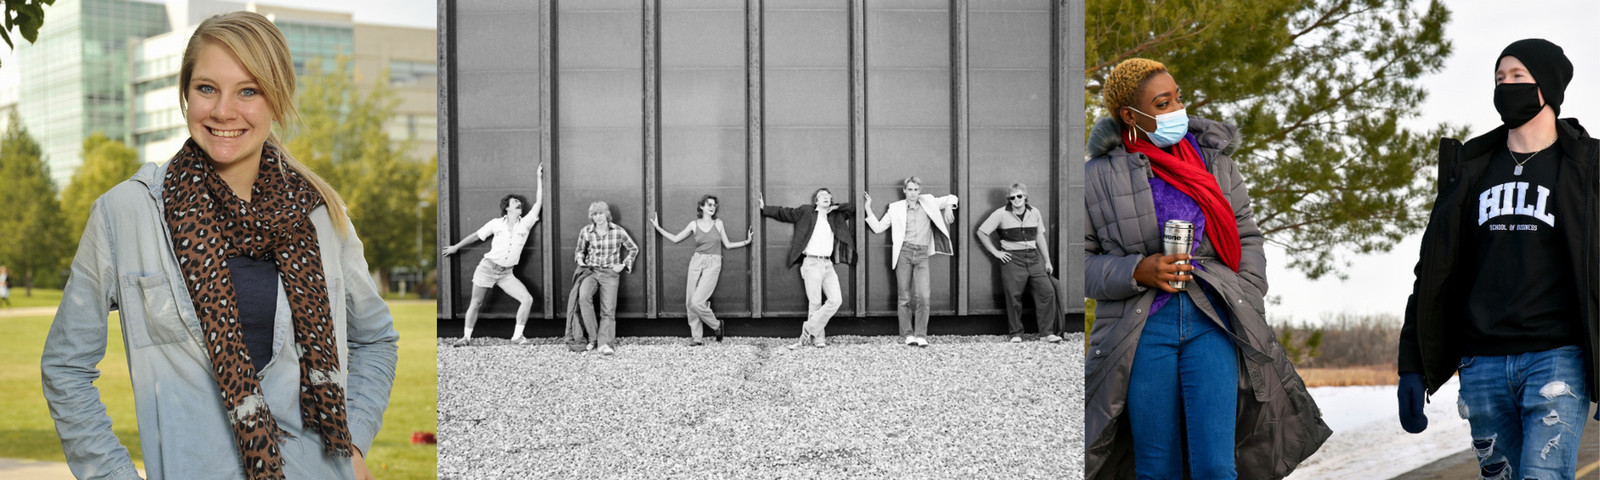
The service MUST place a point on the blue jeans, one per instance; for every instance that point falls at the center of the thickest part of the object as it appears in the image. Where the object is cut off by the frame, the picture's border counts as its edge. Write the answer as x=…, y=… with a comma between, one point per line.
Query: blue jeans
x=911, y=275
x=1527, y=412
x=1182, y=394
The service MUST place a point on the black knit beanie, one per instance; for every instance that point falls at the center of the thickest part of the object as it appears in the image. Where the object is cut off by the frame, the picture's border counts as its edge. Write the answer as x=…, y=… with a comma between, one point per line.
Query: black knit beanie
x=1547, y=63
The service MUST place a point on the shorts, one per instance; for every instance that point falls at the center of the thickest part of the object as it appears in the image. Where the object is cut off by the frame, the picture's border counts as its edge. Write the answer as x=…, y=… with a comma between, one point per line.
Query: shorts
x=489, y=273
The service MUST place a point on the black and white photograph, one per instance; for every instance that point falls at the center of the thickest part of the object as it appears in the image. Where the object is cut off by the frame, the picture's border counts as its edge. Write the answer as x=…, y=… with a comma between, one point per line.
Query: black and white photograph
x=760, y=239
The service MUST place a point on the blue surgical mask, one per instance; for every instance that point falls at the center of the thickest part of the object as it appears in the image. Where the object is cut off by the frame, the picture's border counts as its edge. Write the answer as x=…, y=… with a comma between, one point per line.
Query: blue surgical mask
x=1170, y=127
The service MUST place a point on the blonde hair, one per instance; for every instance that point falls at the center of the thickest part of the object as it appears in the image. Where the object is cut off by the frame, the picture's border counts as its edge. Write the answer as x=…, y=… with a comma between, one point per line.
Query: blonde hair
x=600, y=207
x=265, y=54
x=1121, y=87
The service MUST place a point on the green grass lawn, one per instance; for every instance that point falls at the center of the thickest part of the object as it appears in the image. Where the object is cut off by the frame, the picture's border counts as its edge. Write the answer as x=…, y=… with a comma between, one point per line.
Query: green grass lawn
x=27, y=432
x=41, y=298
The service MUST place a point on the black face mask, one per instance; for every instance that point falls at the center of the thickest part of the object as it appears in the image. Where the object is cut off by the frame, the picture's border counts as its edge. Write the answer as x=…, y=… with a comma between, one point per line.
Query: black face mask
x=1517, y=103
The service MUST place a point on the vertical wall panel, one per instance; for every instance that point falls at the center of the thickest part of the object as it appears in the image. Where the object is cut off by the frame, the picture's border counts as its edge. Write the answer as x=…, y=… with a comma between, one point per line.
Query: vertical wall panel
x=908, y=131
x=497, y=145
x=600, y=129
x=1010, y=125
x=807, y=130
x=703, y=143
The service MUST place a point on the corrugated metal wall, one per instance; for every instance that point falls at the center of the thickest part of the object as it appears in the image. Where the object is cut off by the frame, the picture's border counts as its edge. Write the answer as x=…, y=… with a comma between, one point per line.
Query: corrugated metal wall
x=650, y=104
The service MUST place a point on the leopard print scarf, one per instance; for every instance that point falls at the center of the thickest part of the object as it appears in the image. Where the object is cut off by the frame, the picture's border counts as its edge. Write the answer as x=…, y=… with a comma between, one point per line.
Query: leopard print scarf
x=209, y=224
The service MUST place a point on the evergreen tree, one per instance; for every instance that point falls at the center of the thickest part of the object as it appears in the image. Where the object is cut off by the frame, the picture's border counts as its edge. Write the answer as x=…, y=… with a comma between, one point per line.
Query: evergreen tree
x=1318, y=89
x=33, y=234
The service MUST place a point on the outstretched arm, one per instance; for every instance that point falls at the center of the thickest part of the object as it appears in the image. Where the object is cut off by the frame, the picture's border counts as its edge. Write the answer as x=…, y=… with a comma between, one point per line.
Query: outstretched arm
x=532, y=216
x=872, y=218
x=655, y=222
x=732, y=244
x=782, y=214
x=470, y=239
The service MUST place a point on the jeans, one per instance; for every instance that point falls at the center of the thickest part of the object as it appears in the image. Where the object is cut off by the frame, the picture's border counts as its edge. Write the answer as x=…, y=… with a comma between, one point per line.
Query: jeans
x=603, y=283
x=912, y=275
x=1182, y=394
x=1026, y=271
x=821, y=281
x=703, y=272
x=1527, y=412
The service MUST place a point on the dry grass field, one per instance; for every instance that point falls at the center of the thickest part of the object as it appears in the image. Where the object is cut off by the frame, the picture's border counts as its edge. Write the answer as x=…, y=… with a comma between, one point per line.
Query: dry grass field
x=1350, y=376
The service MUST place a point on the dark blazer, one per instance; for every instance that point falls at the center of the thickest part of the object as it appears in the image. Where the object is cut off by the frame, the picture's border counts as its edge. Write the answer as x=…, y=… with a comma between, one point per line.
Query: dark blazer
x=804, y=218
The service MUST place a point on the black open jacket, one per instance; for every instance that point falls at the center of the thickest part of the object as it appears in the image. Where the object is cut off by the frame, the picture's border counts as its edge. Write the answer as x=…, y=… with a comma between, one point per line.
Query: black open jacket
x=1444, y=272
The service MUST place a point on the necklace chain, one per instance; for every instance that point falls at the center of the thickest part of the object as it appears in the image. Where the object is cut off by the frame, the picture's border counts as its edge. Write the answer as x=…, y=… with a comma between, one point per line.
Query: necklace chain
x=1518, y=170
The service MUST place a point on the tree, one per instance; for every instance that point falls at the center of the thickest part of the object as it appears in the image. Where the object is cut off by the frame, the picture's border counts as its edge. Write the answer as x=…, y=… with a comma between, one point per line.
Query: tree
x=343, y=139
x=33, y=235
x=1318, y=89
x=26, y=16
x=106, y=163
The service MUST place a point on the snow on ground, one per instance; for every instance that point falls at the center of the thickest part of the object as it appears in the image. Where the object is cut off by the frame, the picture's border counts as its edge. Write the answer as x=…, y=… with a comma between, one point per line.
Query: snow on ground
x=1367, y=440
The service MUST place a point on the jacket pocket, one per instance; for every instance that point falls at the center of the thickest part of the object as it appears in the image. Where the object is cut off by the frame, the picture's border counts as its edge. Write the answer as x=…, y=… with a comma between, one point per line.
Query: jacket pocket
x=150, y=311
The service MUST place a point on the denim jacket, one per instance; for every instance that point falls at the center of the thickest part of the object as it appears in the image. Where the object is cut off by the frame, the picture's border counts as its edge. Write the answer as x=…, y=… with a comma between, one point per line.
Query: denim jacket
x=125, y=262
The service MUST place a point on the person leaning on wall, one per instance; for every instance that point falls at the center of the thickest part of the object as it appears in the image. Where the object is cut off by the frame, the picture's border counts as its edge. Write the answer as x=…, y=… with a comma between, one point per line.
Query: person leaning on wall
x=919, y=228
x=1024, y=256
x=1187, y=369
x=257, y=344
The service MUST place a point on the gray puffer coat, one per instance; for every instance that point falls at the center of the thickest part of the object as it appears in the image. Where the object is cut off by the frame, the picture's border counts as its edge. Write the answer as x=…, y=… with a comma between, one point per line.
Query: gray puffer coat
x=1278, y=423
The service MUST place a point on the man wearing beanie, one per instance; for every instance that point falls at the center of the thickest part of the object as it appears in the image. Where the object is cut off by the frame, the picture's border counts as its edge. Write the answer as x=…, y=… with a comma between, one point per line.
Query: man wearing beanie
x=1505, y=288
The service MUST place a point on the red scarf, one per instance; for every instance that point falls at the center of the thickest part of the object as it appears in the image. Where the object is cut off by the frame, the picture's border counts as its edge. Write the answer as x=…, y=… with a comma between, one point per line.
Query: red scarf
x=1187, y=172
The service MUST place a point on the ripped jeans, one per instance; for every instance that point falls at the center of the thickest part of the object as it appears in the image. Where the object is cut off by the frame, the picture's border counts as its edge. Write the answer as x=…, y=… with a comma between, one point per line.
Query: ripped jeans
x=1527, y=412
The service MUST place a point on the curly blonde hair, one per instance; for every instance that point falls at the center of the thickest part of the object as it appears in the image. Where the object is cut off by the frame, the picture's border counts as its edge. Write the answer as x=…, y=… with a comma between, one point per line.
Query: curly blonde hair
x=1121, y=88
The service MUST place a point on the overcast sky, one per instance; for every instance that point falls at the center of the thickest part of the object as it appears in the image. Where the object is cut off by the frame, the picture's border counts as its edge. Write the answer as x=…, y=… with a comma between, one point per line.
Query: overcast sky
x=1462, y=93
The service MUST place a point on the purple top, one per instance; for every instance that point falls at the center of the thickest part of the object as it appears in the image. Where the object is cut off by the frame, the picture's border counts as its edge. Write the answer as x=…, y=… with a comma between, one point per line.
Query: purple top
x=1172, y=203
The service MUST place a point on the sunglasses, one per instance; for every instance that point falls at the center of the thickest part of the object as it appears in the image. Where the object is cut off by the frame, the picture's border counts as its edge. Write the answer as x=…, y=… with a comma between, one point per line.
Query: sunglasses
x=1014, y=197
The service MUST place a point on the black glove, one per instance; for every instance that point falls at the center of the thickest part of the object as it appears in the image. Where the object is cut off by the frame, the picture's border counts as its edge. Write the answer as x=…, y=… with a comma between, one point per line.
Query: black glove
x=1411, y=393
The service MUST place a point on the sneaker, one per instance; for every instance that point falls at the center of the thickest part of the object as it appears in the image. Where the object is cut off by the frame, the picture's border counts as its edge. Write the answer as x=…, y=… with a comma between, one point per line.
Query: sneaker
x=590, y=348
x=695, y=343
x=460, y=342
x=1053, y=339
x=719, y=332
x=1016, y=339
x=522, y=340
x=922, y=342
x=820, y=344
x=606, y=350
x=911, y=341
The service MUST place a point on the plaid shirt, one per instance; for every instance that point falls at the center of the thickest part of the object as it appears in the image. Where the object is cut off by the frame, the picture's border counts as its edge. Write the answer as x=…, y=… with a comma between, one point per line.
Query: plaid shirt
x=603, y=249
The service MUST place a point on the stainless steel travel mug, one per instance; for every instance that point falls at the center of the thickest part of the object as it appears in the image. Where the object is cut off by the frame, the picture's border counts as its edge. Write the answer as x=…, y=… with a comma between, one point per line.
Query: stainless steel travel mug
x=1177, y=237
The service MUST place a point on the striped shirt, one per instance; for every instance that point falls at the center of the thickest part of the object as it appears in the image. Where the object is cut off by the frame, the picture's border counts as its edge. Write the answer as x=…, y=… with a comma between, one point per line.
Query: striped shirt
x=605, y=249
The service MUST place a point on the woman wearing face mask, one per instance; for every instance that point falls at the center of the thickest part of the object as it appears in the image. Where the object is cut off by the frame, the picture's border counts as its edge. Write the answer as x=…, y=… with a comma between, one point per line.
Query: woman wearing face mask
x=1186, y=368
x=256, y=340
x=710, y=237
x=1505, y=291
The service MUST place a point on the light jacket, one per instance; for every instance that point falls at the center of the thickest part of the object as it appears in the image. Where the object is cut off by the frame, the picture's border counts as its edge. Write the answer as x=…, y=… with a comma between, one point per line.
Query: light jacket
x=1278, y=425
x=125, y=263
x=1435, y=310
x=896, y=218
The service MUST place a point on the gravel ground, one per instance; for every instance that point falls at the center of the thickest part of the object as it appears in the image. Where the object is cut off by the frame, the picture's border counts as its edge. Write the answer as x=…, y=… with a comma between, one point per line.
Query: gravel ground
x=864, y=407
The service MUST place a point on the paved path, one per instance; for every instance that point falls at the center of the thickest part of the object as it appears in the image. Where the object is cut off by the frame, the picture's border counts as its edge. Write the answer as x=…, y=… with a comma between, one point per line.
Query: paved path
x=11, y=468
x=1464, y=465
x=27, y=312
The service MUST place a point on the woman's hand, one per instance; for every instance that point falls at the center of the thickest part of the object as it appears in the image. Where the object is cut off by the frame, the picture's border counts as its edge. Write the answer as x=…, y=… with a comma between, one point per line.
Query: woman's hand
x=360, y=465
x=654, y=221
x=450, y=250
x=1156, y=270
